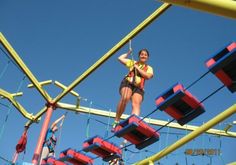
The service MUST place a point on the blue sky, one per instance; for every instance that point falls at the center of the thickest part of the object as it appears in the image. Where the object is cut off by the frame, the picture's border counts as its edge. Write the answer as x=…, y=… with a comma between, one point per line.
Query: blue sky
x=59, y=40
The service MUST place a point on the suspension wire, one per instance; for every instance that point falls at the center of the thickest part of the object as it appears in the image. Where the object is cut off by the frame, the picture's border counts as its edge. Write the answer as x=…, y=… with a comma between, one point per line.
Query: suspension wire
x=167, y=138
x=194, y=82
x=4, y=105
x=9, y=58
x=4, y=159
x=60, y=131
x=88, y=120
x=108, y=124
x=212, y=93
x=9, y=109
x=4, y=69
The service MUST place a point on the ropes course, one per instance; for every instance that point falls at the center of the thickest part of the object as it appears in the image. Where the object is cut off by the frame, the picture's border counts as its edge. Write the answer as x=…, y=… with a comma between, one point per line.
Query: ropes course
x=177, y=102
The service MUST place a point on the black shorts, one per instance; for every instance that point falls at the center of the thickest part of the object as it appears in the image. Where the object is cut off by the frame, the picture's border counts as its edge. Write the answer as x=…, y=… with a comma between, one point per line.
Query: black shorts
x=126, y=83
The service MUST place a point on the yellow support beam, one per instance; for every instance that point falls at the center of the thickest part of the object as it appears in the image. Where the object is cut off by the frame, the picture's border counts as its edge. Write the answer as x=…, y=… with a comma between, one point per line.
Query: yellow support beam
x=24, y=68
x=65, y=87
x=104, y=113
x=42, y=83
x=113, y=50
x=37, y=116
x=202, y=129
x=17, y=105
x=14, y=94
x=226, y=8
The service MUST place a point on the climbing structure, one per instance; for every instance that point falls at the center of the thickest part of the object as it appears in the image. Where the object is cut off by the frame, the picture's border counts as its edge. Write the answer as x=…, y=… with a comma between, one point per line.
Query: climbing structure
x=133, y=127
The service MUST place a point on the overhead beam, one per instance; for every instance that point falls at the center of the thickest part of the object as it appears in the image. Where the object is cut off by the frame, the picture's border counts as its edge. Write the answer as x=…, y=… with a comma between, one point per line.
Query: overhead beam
x=23, y=67
x=57, y=83
x=113, y=50
x=226, y=8
x=13, y=94
x=18, y=106
x=174, y=125
x=42, y=83
x=202, y=129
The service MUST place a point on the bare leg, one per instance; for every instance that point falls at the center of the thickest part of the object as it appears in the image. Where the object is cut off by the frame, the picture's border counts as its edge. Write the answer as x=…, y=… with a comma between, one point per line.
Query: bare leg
x=126, y=94
x=44, y=153
x=136, y=103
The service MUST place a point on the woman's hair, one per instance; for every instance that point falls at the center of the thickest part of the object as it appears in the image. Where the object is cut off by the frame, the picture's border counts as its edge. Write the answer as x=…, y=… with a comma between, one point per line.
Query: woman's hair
x=143, y=50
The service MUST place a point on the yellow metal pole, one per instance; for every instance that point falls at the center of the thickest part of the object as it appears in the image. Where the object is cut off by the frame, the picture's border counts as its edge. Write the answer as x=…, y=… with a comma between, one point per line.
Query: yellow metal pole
x=106, y=56
x=65, y=87
x=17, y=105
x=82, y=109
x=202, y=129
x=24, y=68
x=37, y=116
x=40, y=83
x=226, y=8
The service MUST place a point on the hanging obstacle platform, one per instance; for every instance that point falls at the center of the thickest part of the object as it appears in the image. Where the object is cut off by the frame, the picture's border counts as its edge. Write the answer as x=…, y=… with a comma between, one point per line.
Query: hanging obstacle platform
x=180, y=104
x=76, y=158
x=51, y=161
x=223, y=66
x=137, y=132
x=108, y=151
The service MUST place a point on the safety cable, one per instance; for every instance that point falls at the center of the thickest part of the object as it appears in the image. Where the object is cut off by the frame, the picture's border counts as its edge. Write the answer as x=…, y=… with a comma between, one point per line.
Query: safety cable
x=194, y=82
x=88, y=120
x=4, y=69
x=60, y=132
x=4, y=159
x=9, y=58
x=10, y=108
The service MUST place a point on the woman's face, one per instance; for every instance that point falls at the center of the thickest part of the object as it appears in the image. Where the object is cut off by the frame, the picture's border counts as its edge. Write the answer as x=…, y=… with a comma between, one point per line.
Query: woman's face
x=143, y=56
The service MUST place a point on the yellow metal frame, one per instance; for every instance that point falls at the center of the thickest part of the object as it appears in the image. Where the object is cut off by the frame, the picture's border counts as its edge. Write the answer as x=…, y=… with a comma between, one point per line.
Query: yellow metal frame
x=226, y=8
x=57, y=83
x=202, y=129
x=14, y=94
x=42, y=83
x=24, y=68
x=17, y=105
x=82, y=109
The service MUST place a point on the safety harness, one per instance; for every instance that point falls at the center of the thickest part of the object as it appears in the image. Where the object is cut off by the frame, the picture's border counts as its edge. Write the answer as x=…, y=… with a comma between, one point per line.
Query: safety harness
x=133, y=75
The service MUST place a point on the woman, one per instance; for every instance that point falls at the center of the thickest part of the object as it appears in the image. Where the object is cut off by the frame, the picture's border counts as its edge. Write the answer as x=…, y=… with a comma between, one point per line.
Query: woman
x=132, y=86
x=50, y=140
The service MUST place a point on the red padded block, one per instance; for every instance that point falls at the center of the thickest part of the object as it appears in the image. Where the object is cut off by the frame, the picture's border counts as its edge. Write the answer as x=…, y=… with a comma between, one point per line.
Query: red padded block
x=136, y=131
x=210, y=62
x=223, y=77
x=52, y=161
x=105, y=148
x=75, y=158
x=191, y=100
x=178, y=87
x=159, y=100
x=173, y=112
x=179, y=104
x=231, y=47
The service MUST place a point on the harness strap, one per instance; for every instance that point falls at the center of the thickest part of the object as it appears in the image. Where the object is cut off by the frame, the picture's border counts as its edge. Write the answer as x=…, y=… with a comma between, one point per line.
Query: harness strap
x=133, y=73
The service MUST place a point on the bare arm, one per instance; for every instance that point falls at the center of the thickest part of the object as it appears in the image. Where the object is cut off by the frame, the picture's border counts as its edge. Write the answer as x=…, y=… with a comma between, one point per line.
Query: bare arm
x=57, y=121
x=143, y=73
x=123, y=58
